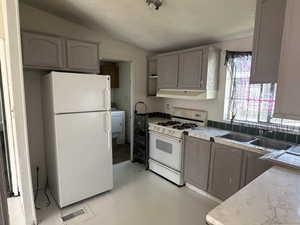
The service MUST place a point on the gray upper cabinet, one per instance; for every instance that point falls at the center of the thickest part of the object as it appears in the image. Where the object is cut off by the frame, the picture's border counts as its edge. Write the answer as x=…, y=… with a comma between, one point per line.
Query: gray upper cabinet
x=167, y=69
x=196, y=163
x=287, y=100
x=43, y=50
x=82, y=56
x=254, y=166
x=267, y=40
x=190, y=70
x=225, y=171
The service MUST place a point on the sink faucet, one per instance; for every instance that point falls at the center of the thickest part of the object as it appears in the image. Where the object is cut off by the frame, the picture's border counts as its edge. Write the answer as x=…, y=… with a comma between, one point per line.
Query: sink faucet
x=232, y=118
x=262, y=132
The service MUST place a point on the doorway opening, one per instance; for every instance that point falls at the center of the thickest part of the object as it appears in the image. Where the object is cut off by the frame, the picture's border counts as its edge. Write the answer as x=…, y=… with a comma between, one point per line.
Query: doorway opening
x=120, y=73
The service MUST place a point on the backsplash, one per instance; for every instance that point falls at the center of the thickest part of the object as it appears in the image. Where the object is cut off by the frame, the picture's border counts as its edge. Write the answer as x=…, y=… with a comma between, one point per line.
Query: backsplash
x=159, y=114
x=255, y=130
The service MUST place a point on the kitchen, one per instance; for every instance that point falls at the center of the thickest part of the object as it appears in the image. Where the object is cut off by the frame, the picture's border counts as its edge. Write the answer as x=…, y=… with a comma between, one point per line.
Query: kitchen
x=210, y=107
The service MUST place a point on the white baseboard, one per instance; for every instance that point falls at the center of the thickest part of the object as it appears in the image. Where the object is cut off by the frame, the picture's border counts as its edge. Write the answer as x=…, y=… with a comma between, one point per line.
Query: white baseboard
x=204, y=193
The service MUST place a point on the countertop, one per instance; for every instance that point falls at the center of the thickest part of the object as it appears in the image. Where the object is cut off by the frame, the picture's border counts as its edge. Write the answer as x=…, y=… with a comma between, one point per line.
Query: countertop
x=277, y=157
x=271, y=199
x=206, y=133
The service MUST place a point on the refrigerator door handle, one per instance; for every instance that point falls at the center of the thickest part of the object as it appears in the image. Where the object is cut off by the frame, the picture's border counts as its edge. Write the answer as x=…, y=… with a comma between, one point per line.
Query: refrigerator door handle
x=108, y=128
x=104, y=98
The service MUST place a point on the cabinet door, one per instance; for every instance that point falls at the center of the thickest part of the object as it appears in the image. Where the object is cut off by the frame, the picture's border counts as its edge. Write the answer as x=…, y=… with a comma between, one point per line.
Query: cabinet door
x=190, y=70
x=287, y=101
x=167, y=67
x=42, y=51
x=82, y=56
x=196, y=164
x=225, y=174
x=267, y=40
x=254, y=166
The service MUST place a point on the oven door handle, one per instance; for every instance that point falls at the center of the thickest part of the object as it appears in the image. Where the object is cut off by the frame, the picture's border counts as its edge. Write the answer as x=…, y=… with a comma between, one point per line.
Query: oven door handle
x=157, y=134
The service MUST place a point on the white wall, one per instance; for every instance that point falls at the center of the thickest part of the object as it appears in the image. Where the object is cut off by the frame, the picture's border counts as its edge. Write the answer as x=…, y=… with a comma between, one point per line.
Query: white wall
x=121, y=95
x=32, y=81
x=214, y=107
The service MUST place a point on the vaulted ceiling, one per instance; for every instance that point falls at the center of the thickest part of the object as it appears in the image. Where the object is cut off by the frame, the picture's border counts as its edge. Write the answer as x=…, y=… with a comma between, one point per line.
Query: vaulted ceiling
x=178, y=23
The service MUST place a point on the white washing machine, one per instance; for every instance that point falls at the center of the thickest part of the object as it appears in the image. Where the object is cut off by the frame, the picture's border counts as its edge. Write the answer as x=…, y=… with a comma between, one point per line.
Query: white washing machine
x=118, y=126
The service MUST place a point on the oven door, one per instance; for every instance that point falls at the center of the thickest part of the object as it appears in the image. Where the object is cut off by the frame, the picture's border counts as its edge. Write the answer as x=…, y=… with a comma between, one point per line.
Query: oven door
x=166, y=150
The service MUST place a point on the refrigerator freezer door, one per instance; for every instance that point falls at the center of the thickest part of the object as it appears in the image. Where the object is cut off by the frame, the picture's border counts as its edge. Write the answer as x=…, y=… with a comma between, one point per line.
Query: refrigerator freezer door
x=84, y=155
x=80, y=92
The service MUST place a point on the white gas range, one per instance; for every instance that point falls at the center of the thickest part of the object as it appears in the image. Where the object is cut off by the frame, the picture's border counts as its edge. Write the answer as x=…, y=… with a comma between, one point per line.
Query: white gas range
x=167, y=142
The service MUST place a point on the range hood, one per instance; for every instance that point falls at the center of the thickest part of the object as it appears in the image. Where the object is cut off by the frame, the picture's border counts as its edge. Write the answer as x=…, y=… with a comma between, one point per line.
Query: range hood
x=187, y=94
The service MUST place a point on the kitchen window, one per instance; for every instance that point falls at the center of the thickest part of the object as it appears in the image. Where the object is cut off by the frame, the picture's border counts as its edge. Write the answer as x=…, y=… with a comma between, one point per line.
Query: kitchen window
x=250, y=103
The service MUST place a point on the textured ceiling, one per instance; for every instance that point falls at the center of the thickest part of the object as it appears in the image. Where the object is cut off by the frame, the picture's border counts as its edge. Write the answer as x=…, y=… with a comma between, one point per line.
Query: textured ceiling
x=178, y=23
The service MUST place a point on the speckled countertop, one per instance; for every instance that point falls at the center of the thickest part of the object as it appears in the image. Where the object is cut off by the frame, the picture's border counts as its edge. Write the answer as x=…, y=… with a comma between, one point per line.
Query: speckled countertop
x=271, y=199
x=208, y=133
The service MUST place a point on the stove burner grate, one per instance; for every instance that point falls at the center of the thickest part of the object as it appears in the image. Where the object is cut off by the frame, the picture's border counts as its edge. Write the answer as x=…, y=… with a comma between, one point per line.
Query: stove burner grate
x=168, y=123
x=185, y=126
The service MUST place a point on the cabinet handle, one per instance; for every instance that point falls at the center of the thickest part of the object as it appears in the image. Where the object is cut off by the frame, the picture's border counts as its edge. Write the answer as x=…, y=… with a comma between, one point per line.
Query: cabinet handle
x=201, y=83
x=107, y=128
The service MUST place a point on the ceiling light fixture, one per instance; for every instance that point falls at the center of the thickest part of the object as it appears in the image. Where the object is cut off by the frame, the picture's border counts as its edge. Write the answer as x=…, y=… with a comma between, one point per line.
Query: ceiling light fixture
x=154, y=3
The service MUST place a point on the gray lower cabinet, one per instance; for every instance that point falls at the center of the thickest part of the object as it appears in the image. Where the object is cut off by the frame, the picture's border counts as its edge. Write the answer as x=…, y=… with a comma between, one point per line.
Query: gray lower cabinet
x=43, y=50
x=197, y=159
x=82, y=56
x=254, y=166
x=225, y=171
x=167, y=69
x=190, y=70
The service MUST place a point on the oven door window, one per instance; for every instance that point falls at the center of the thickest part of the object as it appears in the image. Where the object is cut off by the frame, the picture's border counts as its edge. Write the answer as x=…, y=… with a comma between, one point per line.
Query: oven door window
x=164, y=146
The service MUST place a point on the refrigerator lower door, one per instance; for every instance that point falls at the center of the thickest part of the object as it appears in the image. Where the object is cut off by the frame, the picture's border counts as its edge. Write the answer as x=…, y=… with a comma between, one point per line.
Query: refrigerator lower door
x=84, y=156
x=79, y=92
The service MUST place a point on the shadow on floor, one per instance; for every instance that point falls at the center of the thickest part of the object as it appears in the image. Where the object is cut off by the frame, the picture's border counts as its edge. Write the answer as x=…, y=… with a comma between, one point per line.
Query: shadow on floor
x=121, y=153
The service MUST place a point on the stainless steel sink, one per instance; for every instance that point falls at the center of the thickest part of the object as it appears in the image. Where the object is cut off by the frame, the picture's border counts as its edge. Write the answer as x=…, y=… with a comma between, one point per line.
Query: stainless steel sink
x=238, y=137
x=271, y=144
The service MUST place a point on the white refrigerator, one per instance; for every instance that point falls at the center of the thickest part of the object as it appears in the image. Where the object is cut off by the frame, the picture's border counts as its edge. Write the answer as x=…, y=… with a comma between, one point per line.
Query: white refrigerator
x=78, y=135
